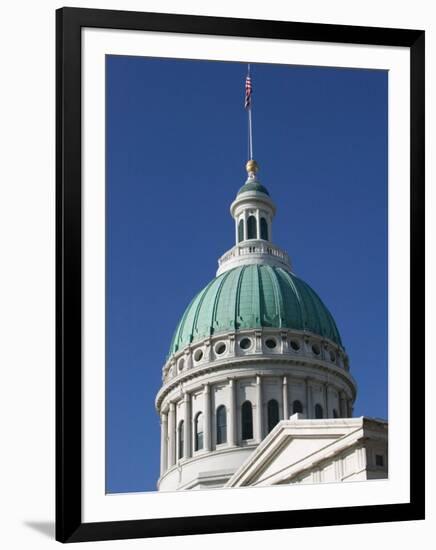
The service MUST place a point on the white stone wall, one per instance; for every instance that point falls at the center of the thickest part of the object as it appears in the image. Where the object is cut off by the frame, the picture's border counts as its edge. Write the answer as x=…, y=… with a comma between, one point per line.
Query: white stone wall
x=299, y=450
x=216, y=467
x=345, y=467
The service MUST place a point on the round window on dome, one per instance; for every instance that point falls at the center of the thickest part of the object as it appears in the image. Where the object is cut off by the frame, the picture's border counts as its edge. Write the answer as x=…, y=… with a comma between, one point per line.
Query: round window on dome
x=198, y=355
x=181, y=364
x=295, y=345
x=332, y=356
x=245, y=343
x=316, y=349
x=270, y=343
x=220, y=348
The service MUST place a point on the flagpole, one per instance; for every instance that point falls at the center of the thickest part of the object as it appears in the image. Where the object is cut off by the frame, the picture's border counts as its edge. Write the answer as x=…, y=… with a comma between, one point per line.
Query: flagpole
x=250, y=135
x=250, y=126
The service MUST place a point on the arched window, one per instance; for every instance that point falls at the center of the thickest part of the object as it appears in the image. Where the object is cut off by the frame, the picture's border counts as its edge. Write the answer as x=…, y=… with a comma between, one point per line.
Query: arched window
x=221, y=425
x=319, y=413
x=263, y=229
x=251, y=227
x=240, y=231
x=297, y=407
x=273, y=414
x=335, y=413
x=198, y=425
x=247, y=420
x=181, y=438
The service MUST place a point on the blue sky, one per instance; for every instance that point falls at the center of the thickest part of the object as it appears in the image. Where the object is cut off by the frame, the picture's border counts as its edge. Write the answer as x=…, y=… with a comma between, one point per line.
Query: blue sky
x=176, y=150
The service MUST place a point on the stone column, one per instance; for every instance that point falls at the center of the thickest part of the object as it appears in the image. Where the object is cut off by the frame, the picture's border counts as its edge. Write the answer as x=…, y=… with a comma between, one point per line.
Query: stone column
x=258, y=224
x=285, y=399
x=206, y=407
x=343, y=405
x=284, y=343
x=232, y=344
x=245, y=224
x=172, y=435
x=232, y=413
x=326, y=399
x=163, y=443
x=259, y=407
x=188, y=359
x=208, y=350
x=308, y=399
x=187, y=443
x=258, y=341
x=361, y=458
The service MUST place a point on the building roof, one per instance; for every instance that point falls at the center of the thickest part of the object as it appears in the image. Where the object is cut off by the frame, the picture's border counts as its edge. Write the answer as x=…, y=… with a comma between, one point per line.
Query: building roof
x=253, y=185
x=254, y=296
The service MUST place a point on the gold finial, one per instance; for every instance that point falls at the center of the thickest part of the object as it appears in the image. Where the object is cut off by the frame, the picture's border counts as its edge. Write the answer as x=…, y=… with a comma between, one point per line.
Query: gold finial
x=252, y=167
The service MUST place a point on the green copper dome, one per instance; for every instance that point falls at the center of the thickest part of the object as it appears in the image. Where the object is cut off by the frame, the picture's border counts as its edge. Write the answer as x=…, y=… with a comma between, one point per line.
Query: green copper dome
x=253, y=185
x=253, y=296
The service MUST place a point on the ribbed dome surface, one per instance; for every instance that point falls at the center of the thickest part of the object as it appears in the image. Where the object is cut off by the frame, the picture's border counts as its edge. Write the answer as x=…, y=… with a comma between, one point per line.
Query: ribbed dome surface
x=253, y=296
x=253, y=185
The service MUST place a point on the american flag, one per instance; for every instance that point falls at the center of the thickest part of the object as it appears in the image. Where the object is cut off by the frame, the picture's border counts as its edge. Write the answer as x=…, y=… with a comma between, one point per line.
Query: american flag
x=248, y=90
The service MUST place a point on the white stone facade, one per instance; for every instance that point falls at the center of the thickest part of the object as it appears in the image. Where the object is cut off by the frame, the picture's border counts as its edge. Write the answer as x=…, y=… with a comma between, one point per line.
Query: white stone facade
x=317, y=451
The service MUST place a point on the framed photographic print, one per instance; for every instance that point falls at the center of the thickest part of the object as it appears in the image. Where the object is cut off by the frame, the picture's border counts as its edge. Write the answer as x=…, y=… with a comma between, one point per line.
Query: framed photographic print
x=240, y=274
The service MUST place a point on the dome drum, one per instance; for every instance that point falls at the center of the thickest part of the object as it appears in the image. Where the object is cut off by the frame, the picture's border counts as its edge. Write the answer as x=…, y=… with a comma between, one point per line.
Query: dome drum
x=249, y=348
x=243, y=372
x=264, y=342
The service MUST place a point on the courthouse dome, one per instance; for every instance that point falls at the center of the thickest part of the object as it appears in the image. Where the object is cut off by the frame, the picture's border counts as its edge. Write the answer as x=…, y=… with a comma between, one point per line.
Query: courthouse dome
x=254, y=296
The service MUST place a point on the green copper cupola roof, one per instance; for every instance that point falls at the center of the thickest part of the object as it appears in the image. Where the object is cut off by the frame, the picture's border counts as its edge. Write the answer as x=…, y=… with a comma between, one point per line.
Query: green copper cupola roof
x=253, y=185
x=254, y=296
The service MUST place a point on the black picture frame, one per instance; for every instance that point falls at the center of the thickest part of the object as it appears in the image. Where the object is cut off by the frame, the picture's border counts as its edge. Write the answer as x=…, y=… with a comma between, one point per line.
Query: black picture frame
x=69, y=525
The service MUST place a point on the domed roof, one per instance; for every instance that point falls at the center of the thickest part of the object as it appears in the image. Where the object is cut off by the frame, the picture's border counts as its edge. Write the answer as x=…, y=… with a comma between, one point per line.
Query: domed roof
x=252, y=296
x=253, y=185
